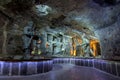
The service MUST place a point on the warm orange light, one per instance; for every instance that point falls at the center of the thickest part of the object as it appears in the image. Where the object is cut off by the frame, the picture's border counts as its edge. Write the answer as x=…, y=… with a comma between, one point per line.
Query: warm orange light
x=73, y=49
x=47, y=44
x=71, y=52
x=93, y=46
x=74, y=52
x=79, y=41
x=39, y=41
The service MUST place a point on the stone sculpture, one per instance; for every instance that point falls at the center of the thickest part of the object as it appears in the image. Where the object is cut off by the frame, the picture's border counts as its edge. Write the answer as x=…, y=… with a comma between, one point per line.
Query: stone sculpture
x=32, y=40
x=27, y=37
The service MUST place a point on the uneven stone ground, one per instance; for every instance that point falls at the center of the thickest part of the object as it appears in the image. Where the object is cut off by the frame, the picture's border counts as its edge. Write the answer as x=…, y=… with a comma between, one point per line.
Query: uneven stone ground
x=67, y=72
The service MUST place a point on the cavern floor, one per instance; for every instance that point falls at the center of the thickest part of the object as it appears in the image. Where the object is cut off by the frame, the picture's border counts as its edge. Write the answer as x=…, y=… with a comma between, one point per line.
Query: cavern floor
x=67, y=72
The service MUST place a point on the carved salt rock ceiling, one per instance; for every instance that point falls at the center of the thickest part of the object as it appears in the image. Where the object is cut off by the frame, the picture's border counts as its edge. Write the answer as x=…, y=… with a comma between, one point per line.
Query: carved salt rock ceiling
x=83, y=15
x=86, y=14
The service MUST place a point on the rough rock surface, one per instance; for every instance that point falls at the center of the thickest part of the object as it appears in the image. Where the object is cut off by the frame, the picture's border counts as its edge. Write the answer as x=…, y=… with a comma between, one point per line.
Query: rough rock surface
x=99, y=19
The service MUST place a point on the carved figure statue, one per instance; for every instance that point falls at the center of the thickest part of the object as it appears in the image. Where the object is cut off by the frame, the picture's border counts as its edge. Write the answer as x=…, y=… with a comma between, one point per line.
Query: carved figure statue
x=27, y=37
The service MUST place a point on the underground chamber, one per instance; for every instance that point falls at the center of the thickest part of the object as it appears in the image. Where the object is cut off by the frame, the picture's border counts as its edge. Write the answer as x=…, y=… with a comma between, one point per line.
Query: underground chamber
x=50, y=37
